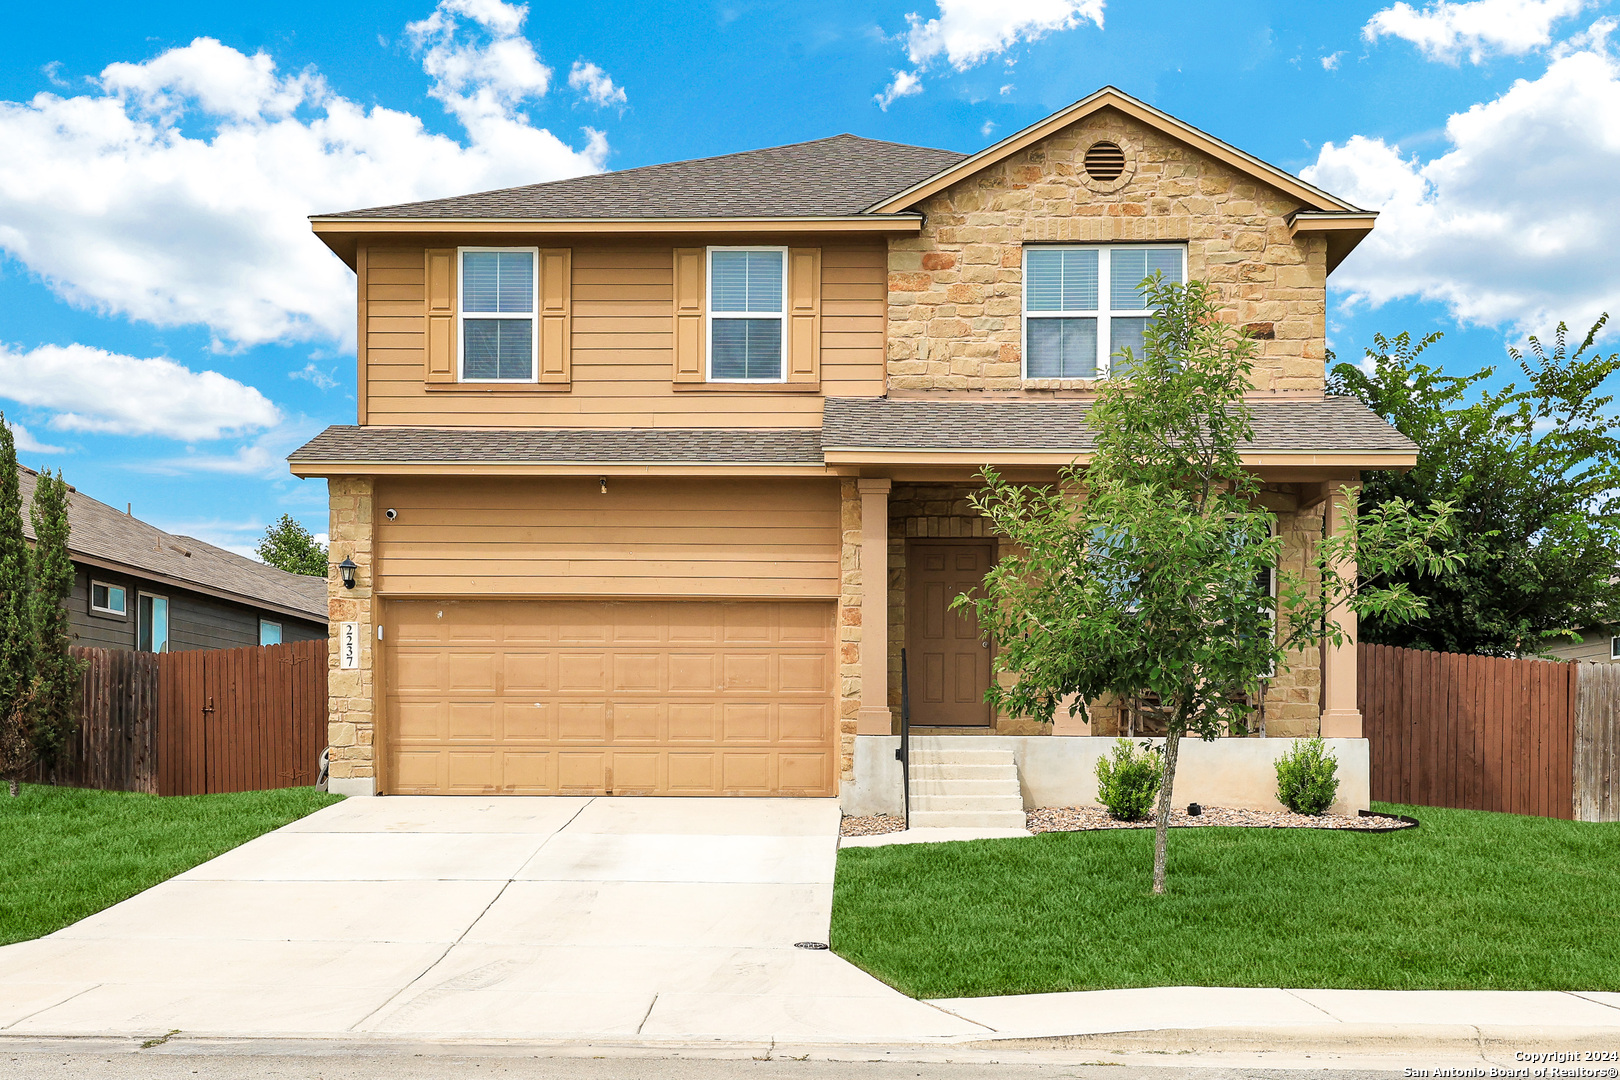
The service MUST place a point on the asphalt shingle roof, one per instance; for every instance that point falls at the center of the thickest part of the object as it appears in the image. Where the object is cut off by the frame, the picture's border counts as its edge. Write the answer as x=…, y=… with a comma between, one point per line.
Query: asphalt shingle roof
x=833, y=177
x=1329, y=425
x=791, y=446
x=98, y=531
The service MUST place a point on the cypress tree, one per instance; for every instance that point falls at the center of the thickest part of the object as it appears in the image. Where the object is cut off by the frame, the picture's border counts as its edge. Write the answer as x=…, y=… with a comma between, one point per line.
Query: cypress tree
x=55, y=703
x=16, y=629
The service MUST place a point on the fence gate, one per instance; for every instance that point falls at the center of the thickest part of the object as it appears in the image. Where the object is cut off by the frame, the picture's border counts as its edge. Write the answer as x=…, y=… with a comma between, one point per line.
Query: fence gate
x=241, y=719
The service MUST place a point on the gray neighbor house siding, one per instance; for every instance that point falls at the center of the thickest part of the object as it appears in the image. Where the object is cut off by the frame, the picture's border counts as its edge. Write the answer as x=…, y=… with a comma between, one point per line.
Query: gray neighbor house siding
x=196, y=621
x=216, y=598
x=1595, y=646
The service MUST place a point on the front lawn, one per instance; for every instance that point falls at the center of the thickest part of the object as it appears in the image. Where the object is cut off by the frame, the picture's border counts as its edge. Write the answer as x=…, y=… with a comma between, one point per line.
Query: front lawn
x=66, y=852
x=1468, y=900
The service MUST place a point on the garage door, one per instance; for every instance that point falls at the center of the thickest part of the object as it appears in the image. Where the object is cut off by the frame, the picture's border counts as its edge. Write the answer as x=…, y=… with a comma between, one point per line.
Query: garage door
x=630, y=697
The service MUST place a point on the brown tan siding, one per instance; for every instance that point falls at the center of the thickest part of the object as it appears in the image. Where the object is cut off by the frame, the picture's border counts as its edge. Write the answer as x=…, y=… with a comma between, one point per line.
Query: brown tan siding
x=622, y=355
x=776, y=538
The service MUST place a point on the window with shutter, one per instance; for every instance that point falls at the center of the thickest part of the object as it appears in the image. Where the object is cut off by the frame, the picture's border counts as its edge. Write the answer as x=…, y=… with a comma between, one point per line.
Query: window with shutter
x=497, y=315
x=746, y=316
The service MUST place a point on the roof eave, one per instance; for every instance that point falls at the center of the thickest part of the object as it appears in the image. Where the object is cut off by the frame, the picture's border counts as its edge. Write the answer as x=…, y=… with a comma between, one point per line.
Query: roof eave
x=343, y=234
x=329, y=467
x=1343, y=229
x=1365, y=459
x=1108, y=96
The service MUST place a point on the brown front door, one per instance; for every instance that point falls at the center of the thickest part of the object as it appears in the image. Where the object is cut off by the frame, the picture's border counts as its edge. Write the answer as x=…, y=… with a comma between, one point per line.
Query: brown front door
x=947, y=662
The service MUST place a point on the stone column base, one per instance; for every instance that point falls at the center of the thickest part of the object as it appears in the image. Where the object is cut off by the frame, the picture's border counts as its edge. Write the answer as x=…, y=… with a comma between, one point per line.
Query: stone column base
x=874, y=720
x=352, y=785
x=1341, y=724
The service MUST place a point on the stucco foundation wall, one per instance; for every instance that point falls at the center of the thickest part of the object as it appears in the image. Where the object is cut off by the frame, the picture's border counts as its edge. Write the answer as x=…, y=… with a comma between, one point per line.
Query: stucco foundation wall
x=955, y=289
x=1062, y=770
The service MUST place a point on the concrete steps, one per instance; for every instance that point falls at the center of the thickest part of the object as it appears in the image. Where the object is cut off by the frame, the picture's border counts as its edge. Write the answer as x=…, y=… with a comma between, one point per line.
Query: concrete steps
x=965, y=788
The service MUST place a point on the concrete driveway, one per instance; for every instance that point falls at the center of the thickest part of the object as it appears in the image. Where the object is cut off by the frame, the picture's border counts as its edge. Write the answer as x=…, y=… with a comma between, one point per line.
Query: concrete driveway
x=635, y=919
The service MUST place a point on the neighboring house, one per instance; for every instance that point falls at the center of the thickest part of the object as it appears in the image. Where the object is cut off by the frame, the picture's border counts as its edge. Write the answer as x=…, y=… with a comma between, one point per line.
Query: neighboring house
x=138, y=587
x=1601, y=646
x=657, y=472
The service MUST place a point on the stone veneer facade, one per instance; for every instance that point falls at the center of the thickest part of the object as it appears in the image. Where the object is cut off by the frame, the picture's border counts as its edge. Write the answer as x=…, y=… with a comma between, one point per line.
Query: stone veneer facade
x=351, y=697
x=956, y=288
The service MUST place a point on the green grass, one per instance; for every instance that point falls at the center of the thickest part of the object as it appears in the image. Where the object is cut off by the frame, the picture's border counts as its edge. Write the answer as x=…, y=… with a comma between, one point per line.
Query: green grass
x=1467, y=900
x=66, y=853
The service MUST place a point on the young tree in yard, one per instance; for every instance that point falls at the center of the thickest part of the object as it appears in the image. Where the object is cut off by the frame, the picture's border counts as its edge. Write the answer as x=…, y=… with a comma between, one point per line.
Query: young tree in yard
x=1138, y=573
x=289, y=546
x=1535, y=475
x=16, y=629
x=53, y=712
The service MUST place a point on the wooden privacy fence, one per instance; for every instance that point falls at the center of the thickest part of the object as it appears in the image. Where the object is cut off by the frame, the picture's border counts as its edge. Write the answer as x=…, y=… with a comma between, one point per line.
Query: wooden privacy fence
x=192, y=723
x=1485, y=733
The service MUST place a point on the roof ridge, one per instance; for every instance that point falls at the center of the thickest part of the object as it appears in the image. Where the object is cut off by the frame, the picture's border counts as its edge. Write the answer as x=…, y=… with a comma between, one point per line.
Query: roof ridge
x=653, y=166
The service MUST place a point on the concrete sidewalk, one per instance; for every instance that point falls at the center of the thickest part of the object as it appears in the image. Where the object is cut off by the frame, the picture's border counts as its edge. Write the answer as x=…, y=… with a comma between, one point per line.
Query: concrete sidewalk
x=667, y=922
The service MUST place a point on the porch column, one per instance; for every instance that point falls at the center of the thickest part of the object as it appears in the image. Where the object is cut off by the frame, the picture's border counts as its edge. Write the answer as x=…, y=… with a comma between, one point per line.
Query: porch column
x=874, y=717
x=1341, y=719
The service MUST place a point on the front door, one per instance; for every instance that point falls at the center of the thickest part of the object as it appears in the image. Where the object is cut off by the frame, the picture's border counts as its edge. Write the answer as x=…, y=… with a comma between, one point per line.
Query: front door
x=947, y=662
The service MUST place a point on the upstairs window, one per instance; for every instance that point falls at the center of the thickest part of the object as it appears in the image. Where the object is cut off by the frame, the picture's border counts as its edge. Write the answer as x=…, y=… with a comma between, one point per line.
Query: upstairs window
x=497, y=314
x=746, y=339
x=1084, y=304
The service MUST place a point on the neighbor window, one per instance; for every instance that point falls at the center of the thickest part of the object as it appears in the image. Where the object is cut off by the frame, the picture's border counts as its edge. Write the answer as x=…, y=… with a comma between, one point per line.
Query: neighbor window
x=745, y=314
x=1614, y=648
x=107, y=598
x=153, y=635
x=269, y=632
x=497, y=314
x=1083, y=305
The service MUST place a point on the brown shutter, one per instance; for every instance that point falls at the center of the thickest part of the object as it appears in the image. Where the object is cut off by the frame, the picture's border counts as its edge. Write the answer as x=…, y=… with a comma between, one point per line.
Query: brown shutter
x=441, y=315
x=804, y=315
x=689, y=273
x=556, y=316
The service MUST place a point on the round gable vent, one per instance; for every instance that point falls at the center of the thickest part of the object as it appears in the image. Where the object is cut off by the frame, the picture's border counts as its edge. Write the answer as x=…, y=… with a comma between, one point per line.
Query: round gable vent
x=1104, y=162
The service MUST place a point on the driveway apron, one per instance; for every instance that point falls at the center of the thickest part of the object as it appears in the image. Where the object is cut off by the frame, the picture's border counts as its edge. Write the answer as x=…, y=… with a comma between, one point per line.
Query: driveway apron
x=547, y=918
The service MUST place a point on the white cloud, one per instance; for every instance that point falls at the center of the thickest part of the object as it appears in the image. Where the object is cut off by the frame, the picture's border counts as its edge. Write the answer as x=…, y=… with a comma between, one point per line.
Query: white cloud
x=905, y=84
x=264, y=456
x=966, y=33
x=987, y=127
x=93, y=390
x=969, y=32
x=175, y=191
x=1331, y=61
x=596, y=84
x=1445, y=30
x=1516, y=224
x=27, y=444
x=1008, y=88
x=310, y=373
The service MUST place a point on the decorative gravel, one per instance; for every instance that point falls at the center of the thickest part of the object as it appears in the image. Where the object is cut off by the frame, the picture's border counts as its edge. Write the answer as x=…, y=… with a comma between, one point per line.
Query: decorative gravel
x=1085, y=818
x=871, y=825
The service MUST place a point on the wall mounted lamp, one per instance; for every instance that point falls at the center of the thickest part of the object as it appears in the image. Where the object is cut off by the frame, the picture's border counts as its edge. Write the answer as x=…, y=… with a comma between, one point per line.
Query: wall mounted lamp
x=347, y=568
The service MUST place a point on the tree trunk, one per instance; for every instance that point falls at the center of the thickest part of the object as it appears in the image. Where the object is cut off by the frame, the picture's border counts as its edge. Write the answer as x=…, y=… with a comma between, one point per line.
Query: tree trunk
x=1161, y=827
x=16, y=788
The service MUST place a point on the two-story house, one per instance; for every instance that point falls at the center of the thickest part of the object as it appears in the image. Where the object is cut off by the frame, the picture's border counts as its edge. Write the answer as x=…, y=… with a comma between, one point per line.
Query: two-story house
x=657, y=472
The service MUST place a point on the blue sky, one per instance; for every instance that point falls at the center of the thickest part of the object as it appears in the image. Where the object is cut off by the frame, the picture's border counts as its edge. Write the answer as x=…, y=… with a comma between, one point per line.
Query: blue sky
x=169, y=330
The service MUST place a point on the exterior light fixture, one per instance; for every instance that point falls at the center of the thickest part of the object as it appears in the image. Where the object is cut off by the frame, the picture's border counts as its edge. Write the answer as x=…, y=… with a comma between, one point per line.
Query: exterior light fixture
x=603, y=481
x=347, y=568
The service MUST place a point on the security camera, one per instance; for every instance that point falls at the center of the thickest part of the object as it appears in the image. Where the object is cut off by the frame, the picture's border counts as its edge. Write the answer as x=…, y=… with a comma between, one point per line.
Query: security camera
x=392, y=513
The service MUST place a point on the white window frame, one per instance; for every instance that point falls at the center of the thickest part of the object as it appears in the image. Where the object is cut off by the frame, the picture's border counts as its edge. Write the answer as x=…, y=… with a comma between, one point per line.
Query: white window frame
x=533, y=316
x=1614, y=648
x=1104, y=314
x=709, y=314
x=168, y=621
x=109, y=586
x=270, y=622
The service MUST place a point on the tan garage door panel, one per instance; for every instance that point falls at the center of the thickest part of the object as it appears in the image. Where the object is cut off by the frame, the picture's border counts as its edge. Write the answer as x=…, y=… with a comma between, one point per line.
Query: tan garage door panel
x=628, y=697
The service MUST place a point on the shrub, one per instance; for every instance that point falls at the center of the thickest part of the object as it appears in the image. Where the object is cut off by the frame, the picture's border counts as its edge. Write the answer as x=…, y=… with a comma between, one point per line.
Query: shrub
x=1128, y=781
x=1307, y=777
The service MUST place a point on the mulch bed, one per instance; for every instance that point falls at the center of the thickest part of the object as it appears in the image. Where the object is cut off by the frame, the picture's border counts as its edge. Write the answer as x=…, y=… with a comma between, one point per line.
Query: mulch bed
x=872, y=825
x=1086, y=818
